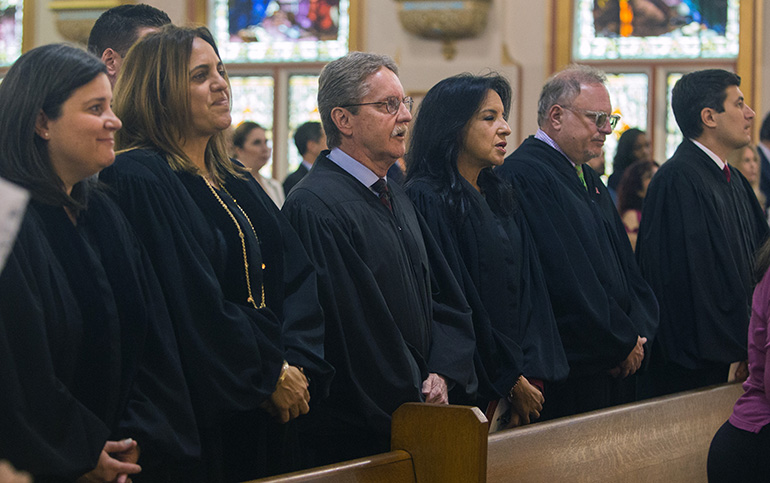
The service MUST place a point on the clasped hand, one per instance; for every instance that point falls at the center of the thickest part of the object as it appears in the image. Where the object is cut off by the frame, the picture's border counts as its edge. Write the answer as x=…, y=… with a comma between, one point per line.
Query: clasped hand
x=290, y=398
x=116, y=461
x=526, y=402
x=632, y=363
x=435, y=389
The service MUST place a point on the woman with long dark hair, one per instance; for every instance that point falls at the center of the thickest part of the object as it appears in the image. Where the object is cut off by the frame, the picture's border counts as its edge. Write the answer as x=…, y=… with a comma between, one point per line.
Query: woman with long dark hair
x=459, y=135
x=89, y=371
x=633, y=146
x=631, y=192
x=239, y=285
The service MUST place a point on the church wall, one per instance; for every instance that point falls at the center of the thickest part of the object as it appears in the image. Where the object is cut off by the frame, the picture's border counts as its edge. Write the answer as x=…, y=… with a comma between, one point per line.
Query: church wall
x=516, y=43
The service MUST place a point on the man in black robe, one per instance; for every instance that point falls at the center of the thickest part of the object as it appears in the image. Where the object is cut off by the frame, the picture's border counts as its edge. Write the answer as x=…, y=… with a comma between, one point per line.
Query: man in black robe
x=310, y=141
x=605, y=311
x=398, y=328
x=118, y=28
x=700, y=227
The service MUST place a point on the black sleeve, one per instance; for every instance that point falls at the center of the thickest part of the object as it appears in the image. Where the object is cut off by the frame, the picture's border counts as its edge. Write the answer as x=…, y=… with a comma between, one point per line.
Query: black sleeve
x=44, y=429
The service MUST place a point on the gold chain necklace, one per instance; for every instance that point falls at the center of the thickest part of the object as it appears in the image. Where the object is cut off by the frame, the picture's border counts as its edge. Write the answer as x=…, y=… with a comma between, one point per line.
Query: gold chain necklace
x=250, y=299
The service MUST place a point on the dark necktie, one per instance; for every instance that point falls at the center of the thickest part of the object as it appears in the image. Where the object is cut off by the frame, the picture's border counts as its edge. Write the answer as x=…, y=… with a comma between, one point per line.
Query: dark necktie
x=381, y=187
x=726, y=171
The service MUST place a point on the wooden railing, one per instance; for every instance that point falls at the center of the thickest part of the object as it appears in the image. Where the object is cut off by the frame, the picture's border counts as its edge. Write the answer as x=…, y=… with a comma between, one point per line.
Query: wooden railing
x=429, y=443
x=664, y=439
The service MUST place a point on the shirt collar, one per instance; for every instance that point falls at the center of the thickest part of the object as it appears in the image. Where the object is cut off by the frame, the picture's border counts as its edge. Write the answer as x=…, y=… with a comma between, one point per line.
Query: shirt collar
x=542, y=136
x=711, y=154
x=357, y=170
x=307, y=165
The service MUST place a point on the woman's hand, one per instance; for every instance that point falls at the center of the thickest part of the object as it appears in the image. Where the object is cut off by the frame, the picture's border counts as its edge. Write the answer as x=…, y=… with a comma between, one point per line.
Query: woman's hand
x=117, y=461
x=526, y=401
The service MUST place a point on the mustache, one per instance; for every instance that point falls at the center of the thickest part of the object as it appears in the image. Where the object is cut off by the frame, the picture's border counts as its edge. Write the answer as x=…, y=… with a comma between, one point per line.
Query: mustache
x=399, y=130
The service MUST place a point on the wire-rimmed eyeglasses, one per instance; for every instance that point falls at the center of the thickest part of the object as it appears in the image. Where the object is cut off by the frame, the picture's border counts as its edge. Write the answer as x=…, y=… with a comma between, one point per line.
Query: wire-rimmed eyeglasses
x=600, y=117
x=392, y=103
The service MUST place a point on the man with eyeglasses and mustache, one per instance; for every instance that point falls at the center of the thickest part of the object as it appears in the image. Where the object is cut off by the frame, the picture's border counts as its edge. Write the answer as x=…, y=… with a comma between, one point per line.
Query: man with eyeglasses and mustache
x=604, y=309
x=701, y=227
x=397, y=325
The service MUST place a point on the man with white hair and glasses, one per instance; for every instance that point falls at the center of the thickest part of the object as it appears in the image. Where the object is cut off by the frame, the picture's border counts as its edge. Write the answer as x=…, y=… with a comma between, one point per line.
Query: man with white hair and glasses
x=604, y=309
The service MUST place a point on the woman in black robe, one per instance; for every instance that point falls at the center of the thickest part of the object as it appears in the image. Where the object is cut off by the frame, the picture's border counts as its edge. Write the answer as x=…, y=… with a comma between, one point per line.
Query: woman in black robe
x=89, y=370
x=459, y=135
x=240, y=287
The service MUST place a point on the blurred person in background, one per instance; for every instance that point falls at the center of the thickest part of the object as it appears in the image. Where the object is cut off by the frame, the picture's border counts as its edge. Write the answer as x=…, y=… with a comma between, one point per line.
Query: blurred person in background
x=747, y=161
x=633, y=146
x=631, y=192
x=252, y=149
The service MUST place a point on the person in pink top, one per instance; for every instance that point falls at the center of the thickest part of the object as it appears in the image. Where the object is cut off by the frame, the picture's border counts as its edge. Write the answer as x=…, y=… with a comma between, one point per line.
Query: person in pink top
x=740, y=448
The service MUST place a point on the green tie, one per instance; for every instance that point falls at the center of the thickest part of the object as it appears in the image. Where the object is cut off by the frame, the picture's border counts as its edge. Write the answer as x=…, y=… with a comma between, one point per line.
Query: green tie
x=579, y=169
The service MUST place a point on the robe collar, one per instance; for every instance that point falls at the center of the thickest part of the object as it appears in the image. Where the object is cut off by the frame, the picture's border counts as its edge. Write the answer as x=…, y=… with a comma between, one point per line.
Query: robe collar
x=711, y=154
x=357, y=170
x=542, y=136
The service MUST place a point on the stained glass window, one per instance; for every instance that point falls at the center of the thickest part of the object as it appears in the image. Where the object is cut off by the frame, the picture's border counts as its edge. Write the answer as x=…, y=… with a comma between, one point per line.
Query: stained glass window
x=11, y=12
x=628, y=94
x=252, y=31
x=673, y=134
x=674, y=29
x=253, y=101
x=303, y=107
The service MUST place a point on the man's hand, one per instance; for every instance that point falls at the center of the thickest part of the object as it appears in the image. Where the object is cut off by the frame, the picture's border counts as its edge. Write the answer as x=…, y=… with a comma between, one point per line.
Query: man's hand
x=632, y=362
x=434, y=388
x=111, y=465
x=526, y=401
x=290, y=398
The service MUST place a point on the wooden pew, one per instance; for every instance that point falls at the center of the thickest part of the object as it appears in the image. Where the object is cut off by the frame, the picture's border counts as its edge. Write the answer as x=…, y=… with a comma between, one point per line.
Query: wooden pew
x=663, y=439
x=429, y=444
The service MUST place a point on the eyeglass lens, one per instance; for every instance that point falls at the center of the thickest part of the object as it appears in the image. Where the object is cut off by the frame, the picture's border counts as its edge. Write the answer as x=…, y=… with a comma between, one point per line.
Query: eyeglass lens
x=394, y=103
x=601, y=119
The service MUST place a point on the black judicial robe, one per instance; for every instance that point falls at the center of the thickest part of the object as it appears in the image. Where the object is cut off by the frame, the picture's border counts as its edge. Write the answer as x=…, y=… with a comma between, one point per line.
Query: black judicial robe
x=696, y=248
x=599, y=298
x=394, y=312
x=231, y=352
x=494, y=260
x=87, y=350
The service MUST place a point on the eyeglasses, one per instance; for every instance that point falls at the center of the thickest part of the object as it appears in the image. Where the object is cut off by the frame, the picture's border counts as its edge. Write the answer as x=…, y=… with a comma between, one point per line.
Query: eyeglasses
x=600, y=118
x=392, y=103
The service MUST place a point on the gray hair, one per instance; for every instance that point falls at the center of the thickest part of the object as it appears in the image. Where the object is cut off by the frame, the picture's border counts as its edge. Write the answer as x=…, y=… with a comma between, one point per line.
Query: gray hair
x=564, y=86
x=343, y=82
